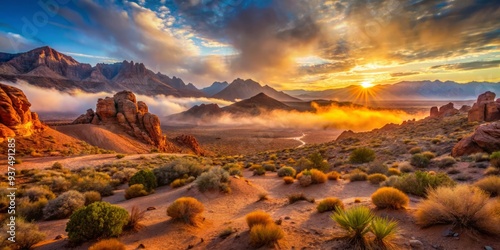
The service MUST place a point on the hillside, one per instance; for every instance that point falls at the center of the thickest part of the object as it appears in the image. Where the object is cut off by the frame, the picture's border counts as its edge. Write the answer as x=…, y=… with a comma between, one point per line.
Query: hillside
x=215, y=88
x=241, y=89
x=48, y=68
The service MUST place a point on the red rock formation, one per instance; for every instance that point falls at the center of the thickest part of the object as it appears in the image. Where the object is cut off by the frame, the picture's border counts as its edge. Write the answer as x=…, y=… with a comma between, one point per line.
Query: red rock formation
x=443, y=111
x=486, y=138
x=190, y=142
x=16, y=119
x=485, y=108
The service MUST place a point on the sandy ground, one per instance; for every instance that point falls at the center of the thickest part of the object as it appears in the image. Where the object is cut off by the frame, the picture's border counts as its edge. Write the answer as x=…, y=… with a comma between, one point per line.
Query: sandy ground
x=304, y=227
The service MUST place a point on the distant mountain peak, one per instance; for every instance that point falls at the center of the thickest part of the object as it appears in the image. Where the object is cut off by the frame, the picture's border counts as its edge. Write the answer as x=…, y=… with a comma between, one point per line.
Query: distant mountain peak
x=244, y=89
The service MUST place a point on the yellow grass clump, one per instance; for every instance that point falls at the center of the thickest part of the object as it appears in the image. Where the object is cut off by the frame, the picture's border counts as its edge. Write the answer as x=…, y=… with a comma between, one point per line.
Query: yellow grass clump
x=186, y=209
x=389, y=197
x=109, y=244
x=258, y=217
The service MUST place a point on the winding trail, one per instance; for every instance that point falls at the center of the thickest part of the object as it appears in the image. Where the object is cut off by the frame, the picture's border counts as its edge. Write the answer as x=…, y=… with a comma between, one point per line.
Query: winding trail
x=299, y=139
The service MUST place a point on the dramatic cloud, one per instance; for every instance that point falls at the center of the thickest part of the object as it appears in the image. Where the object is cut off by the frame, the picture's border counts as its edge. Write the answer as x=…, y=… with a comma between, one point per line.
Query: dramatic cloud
x=77, y=102
x=469, y=65
x=400, y=74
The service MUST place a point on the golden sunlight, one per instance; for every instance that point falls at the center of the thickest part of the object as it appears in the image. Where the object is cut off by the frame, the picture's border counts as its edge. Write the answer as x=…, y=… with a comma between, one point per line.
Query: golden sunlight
x=366, y=84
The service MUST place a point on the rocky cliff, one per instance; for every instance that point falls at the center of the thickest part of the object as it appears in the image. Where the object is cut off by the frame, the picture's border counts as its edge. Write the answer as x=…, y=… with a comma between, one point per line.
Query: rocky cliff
x=485, y=109
x=16, y=119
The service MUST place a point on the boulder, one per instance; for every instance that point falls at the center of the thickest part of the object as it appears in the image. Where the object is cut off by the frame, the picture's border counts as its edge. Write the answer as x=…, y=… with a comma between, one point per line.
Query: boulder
x=434, y=112
x=486, y=138
x=465, y=108
x=106, y=108
x=190, y=142
x=85, y=118
x=443, y=111
x=485, y=108
x=16, y=119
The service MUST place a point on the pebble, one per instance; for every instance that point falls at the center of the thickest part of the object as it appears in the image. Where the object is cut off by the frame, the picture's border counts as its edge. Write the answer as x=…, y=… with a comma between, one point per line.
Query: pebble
x=447, y=233
x=287, y=218
x=141, y=246
x=151, y=208
x=58, y=237
x=416, y=244
x=488, y=248
x=455, y=235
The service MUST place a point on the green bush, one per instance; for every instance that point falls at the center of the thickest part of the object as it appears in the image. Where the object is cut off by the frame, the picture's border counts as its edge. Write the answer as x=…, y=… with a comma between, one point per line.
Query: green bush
x=446, y=162
x=362, y=155
x=93, y=181
x=214, y=180
x=178, y=169
x=419, y=161
x=495, y=159
x=318, y=162
x=259, y=170
x=97, y=220
x=27, y=235
x=330, y=204
x=269, y=167
x=303, y=164
x=377, y=169
x=419, y=182
x=39, y=192
x=146, y=178
x=286, y=171
x=31, y=210
x=136, y=190
x=64, y=205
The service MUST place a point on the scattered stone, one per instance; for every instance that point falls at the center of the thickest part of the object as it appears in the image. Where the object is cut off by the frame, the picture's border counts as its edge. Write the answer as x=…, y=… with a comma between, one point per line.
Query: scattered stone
x=455, y=235
x=488, y=248
x=141, y=246
x=416, y=244
x=287, y=218
x=447, y=233
x=58, y=237
x=190, y=246
x=151, y=208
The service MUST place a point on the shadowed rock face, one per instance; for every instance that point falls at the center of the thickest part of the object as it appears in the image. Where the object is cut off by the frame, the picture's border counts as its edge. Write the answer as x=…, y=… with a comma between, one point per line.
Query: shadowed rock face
x=485, y=108
x=124, y=109
x=486, y=138
x=16, y=119
x=444, y=111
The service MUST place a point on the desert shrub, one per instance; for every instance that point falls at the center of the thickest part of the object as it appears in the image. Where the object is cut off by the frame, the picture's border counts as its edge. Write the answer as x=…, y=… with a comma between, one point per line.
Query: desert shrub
x=357, y=175
x=263, y=196
x=446, y=162
x=362, y=155
x=93, y=181
x=334, y=175
x=303, y=164
x=388, y=197
x=91, y=197
x=429, y=155
x=39, y=192
x=258, y=217
x=419, y=161
x=97, y=220
x=495, y=159
x=377, y=168
x=305, y=178
x=405, y=167
x=376, y=178
x=57, y=184
x=177, y=183
x=330, y=204
x=390, y=182
x=417, y=183
x=135, y=218
x=120, y=156
x=466, y=207
x=490, y=185
x=177, y=169
x=267, y=234
x=136, y=190
x=480, y=157
x=259, y=170
x=269, y=167
x=317, y=176
x=318, y=162
x=108, y=244
x=286, y=171
x=415, y=150
x=31, y=210
x=235, y=171
x=288, y=180
x=146, y=178
x=492, y=171
x=64, y=205
x=213, y=180
x=356, y=222
x=292, y=198
x=27, y=235
x=186, y=209
x=393, y=171
x=385, y=232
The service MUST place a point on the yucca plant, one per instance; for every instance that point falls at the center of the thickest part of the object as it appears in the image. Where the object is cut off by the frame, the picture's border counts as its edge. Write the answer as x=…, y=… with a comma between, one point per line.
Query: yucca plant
x=385, y=232
x=356, y=221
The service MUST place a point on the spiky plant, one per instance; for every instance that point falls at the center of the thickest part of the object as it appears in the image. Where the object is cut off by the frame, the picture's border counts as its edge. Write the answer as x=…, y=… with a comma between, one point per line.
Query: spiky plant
x=356, y=222
x=385, y=232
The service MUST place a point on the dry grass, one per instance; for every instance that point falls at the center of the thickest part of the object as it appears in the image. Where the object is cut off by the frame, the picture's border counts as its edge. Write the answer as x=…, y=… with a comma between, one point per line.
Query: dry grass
x=490, y=185
x=376, y=178
x=265, y=234
x=292, y=198
x=288, y=180
x=136, y=216
x=186, y=209
x=258, y=217
x=109, y=244
x=389, y=197
x=463, y=206
x=334, y=175
x=330, y=204
x=318, y=176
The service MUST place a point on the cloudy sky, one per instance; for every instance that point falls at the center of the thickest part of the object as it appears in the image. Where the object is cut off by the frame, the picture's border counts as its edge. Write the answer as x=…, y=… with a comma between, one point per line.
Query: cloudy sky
x=288, y=44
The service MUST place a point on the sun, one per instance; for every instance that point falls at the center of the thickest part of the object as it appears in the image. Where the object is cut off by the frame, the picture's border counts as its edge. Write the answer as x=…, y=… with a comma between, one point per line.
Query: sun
x=366, y=84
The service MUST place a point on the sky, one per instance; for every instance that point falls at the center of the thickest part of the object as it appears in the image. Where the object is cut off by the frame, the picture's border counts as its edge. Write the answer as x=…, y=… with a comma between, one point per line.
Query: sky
x=287, y=44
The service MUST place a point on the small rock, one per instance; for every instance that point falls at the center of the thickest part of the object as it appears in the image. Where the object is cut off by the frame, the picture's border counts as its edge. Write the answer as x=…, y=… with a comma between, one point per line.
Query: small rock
x=190, y=246
x=58, y=237
x=416, y=244
x=455, y=235
x=447, y=233
x=141, y=246
x=287, y=217
x=488, y=248
x=151, y=208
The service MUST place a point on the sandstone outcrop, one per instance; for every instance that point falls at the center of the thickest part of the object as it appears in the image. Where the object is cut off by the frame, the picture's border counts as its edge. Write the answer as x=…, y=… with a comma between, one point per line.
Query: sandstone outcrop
x=133, y=116
x=190, y=142
x=444, y=111
x=485, y=109
x=486, y=138
x=16, y=119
